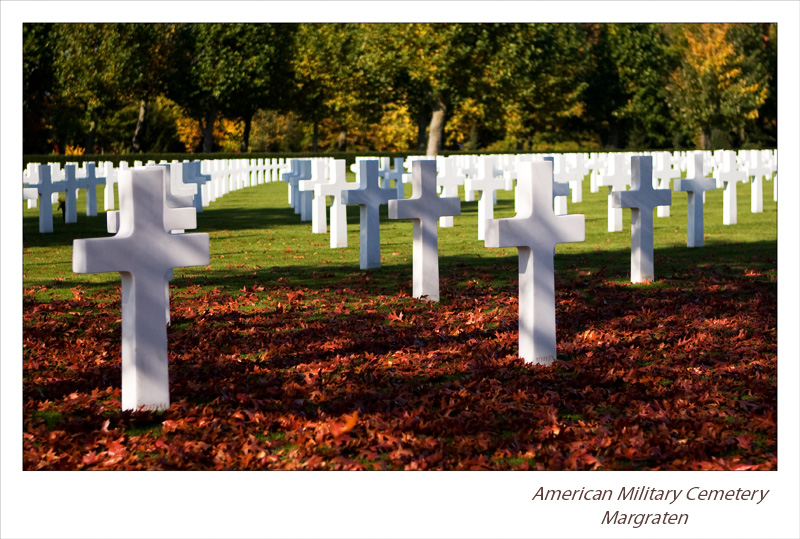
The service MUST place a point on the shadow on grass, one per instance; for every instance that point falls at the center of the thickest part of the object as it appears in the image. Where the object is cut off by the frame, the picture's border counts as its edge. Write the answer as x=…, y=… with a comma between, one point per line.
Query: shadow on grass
x=213, y=218
x=497, y=268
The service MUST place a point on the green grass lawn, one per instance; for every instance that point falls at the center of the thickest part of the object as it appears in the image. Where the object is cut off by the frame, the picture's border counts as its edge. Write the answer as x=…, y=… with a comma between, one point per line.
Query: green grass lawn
x=255, y=235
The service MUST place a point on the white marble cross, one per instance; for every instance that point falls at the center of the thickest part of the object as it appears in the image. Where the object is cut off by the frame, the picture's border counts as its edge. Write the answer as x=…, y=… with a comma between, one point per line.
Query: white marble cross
x=72, y=184
x=109, y=201
x=90, y=181
x=369, y=197
x=291, y=177
x=576, y=167
x=179, y=195
x=143, y=252
x=663, y=174
x=772, y=160
x=275, y=167
x=560, y=187
x=319, y=176
x=757, y=170
x=31, y=194
x=425, y=208
x=487, y=183
x=468, y=170
x=193, y=175
x=395, y=174
x=535, y=231
x=219, y=170
x=508, y=171
x=596, y=163
x=333, y=188
x=616, y=179
x=695, y=186
x=304, y=198
x=448, y=180
x=30, y=177
x=728, y=175
x=258, y=170
x=642, y=199
x=46, y=187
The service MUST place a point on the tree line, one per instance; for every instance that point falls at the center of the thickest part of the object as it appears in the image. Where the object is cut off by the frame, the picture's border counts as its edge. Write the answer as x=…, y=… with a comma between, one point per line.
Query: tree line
x=115, y=88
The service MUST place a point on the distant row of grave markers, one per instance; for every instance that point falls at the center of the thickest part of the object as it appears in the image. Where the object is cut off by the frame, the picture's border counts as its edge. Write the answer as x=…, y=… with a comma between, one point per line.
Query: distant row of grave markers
x=159, y=202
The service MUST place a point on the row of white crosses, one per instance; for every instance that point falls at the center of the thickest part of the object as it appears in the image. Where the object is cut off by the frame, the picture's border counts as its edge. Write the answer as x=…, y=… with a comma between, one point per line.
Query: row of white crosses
x=616, y=177
x=535, y=232
x=145, y=249
x=213, y=178
x=218, y=177
x=149, y=243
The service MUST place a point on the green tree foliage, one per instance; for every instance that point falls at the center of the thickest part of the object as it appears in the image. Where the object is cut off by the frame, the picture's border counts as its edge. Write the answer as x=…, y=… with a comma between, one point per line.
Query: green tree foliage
x=434, y=66
x=233, y=69
x=38, y=79
x=719, y=86
x=643, y=61
x=142, y=50
x=101, y=68
x=540, y=71
x=375, y=86
x=338, y=77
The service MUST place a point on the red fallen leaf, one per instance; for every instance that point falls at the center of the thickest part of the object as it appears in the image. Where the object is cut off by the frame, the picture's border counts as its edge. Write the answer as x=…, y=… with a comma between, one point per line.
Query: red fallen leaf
x=553, y=430
x=745, y=441
x=90, y=458
x=350, y=422
x=394, y=317
x=293, y=297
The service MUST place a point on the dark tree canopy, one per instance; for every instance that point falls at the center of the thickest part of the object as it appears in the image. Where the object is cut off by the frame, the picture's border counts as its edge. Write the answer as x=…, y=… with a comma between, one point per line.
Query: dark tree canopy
x=411, y=87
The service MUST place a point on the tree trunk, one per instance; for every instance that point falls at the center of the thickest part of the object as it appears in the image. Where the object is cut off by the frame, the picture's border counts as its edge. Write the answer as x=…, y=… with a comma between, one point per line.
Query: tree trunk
x=208, y=131
x=136, y=142
x=436, y=129
x=472, y=143
x=91, y=133
x=613, y=135
x=315, y=137
x=705, y=140
x=342, y=140
x=248, y=122
x=421, y=127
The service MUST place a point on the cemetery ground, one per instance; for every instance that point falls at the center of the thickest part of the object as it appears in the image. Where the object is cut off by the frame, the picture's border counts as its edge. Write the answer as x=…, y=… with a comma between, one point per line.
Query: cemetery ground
x=285, y=355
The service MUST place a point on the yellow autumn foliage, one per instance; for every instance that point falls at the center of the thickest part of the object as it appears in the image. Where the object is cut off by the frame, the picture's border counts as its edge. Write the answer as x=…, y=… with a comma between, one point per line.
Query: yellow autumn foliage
x=227, y=133
x=74, y=150
x=468, y=113
x=396, y=131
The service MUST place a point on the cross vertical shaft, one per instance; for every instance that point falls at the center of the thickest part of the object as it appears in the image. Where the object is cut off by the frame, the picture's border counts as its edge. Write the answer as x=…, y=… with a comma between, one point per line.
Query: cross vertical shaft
x=642, y=199
x=425, y=208
x=695, y=186
x=535, y=231
x=369, y=196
